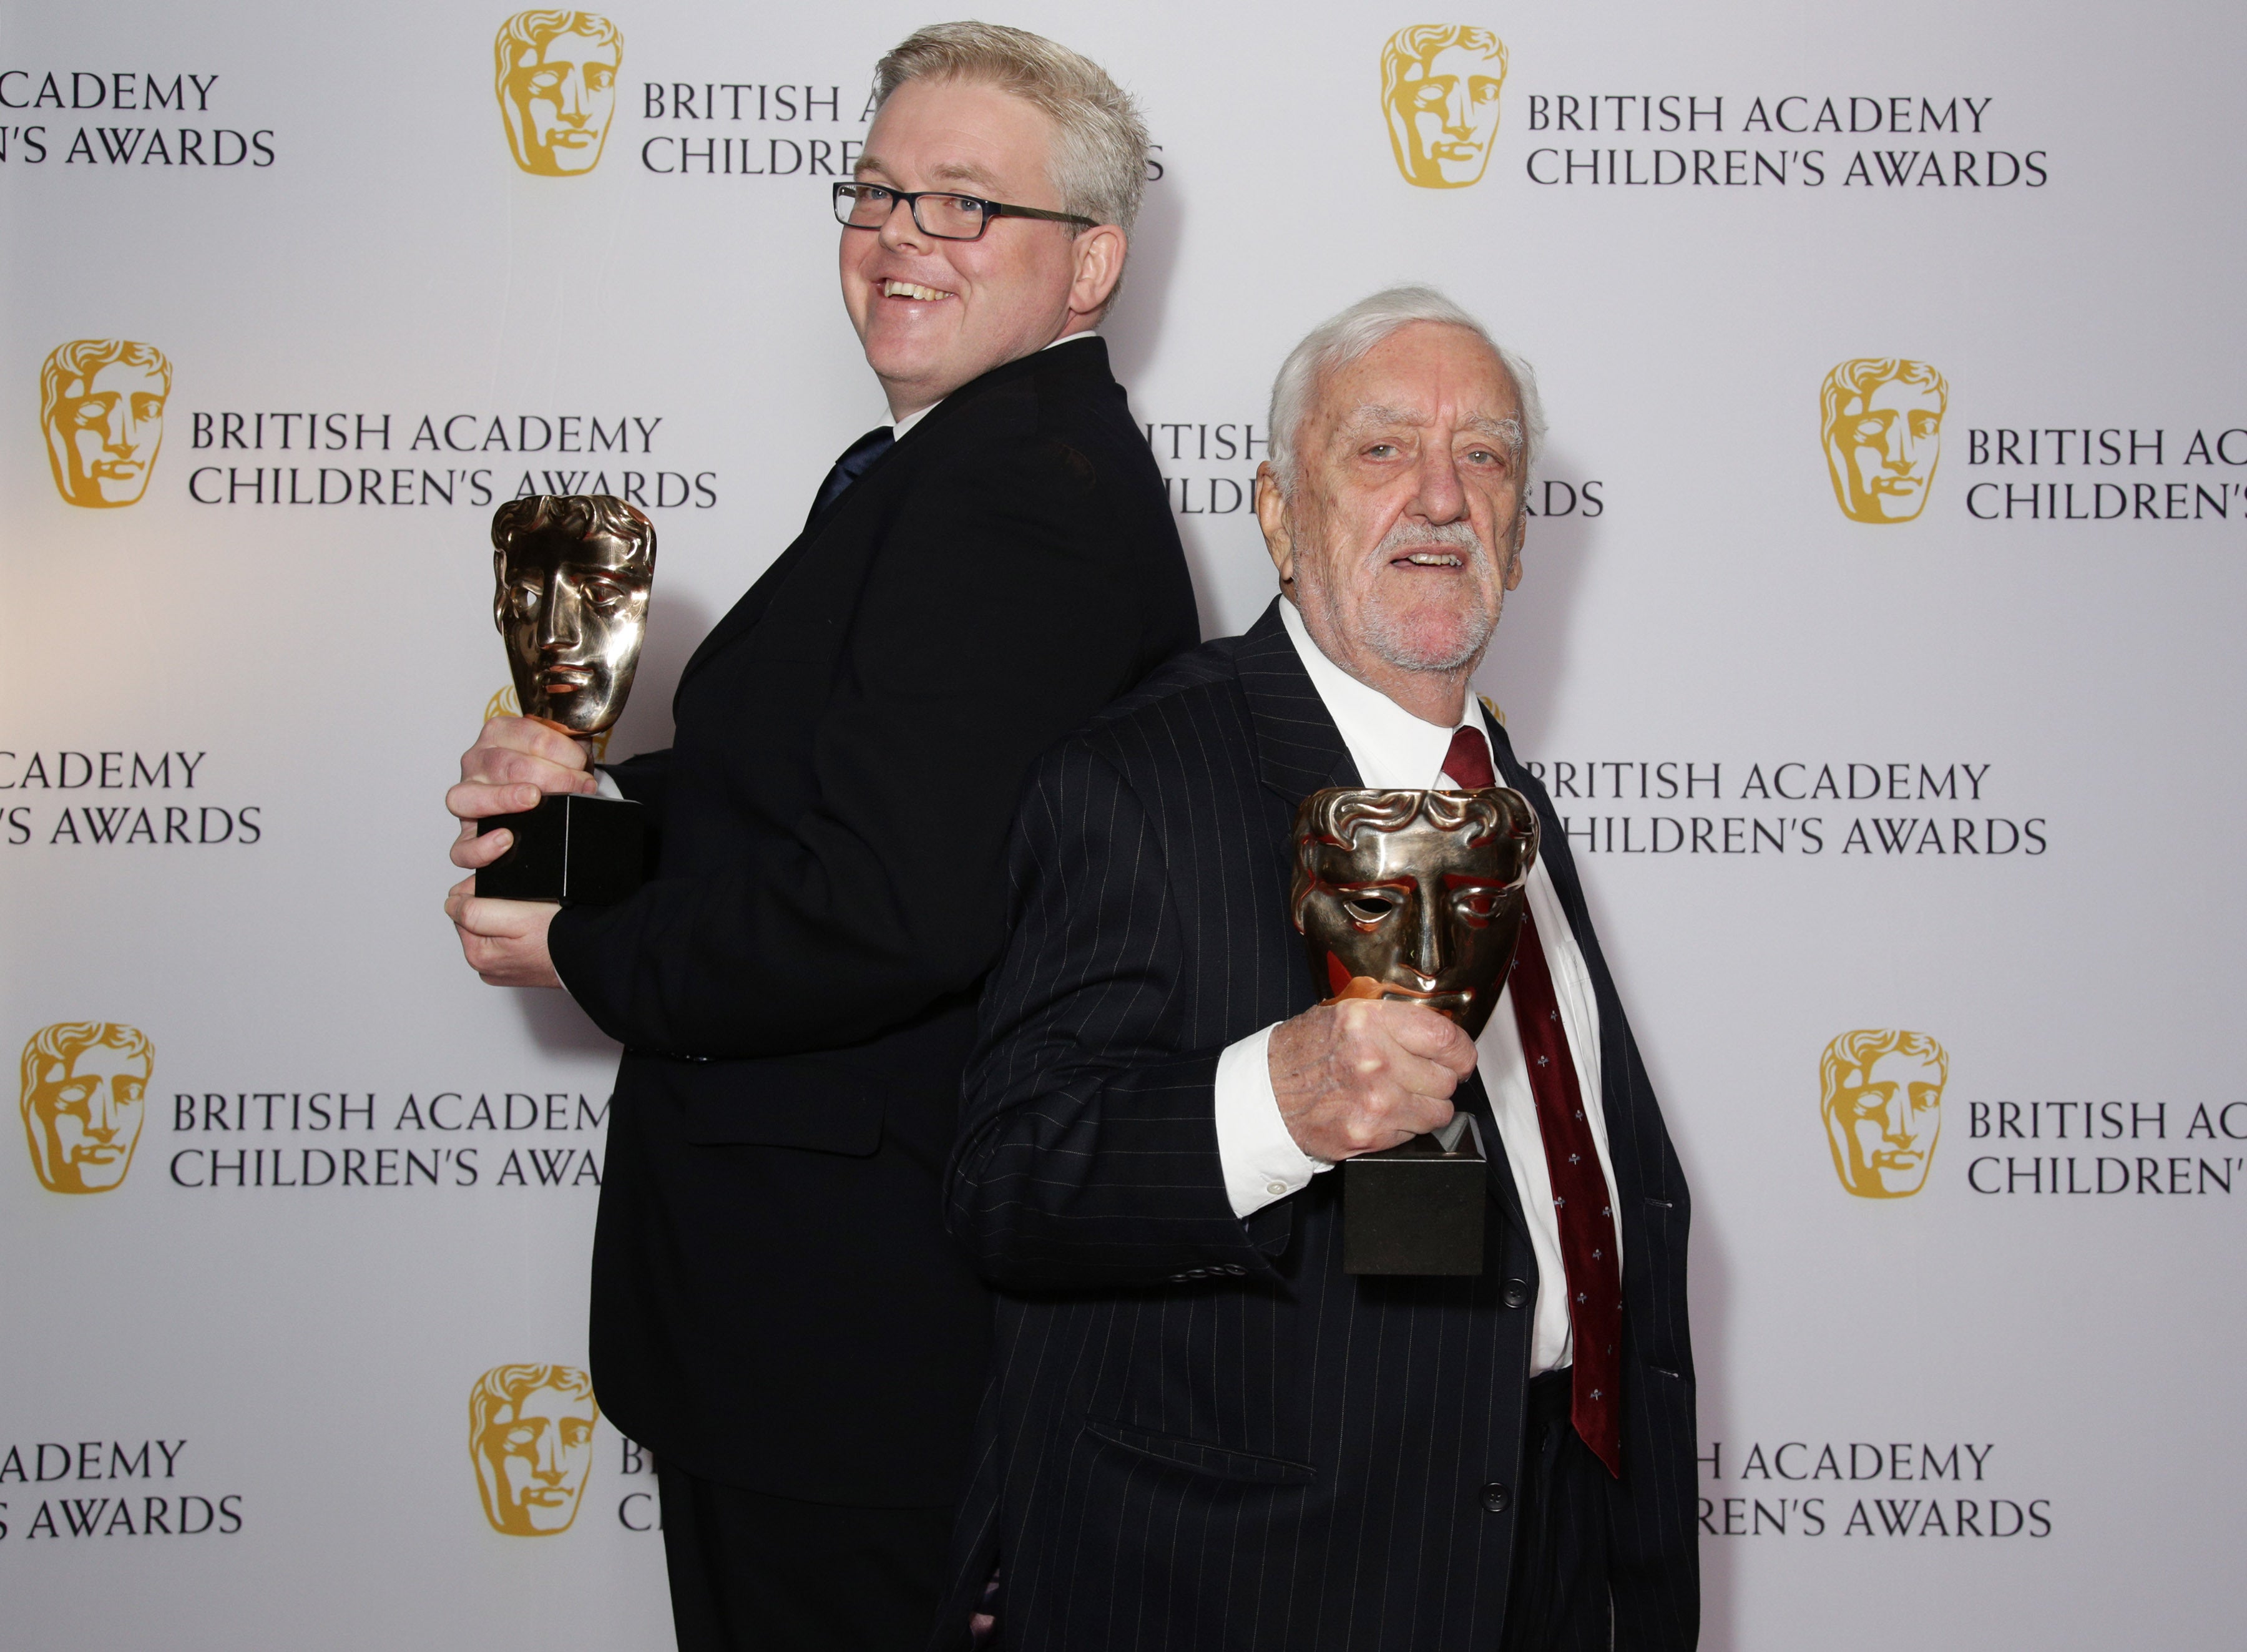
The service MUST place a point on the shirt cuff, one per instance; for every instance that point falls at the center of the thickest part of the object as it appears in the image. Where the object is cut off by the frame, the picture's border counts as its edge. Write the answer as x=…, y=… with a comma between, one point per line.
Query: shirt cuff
x=1260, y=1158
x=609, y=786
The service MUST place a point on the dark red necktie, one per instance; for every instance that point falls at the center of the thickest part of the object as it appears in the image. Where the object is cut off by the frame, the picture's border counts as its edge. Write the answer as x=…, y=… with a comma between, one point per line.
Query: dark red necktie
x=1581, y=1203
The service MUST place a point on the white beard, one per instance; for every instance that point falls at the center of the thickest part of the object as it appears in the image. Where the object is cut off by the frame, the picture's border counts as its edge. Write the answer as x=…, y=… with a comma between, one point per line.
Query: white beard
x=1386, y=634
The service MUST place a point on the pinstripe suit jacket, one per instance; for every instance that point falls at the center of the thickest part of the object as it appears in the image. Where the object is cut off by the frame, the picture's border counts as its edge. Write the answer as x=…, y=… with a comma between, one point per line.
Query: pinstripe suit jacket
x=1199, y=1432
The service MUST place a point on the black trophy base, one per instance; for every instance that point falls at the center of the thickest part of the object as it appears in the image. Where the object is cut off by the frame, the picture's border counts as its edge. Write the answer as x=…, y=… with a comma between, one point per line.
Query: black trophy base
x=576, y=849
x=1417, y=1209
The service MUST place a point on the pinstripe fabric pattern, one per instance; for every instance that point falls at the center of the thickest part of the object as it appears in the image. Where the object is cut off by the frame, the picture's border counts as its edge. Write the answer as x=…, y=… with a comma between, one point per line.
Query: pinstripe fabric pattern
x=1199, y=1432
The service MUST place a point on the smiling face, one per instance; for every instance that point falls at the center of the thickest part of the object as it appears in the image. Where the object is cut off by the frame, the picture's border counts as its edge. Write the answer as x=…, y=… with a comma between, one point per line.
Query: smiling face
x=571, y=602
x=1421, y=891
x=1403, y=532
x=1443, y=113
x=83, y=1110
x=532, y=1460
x=1882, y=1121
x=557, y=96
x=104, y=430
x=933, y=314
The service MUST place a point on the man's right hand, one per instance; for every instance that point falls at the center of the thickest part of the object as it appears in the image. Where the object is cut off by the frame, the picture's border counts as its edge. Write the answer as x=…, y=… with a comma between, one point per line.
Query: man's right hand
x=514, y=762
x=1356, y=1076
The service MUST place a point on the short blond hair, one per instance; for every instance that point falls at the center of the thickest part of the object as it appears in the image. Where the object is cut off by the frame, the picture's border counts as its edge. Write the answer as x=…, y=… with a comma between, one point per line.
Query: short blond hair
x=1100, y=141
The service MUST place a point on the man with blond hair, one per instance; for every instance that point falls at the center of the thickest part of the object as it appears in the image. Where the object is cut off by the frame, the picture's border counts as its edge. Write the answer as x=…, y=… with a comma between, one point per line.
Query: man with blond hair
x=1201, y=1430
x=776, y=1310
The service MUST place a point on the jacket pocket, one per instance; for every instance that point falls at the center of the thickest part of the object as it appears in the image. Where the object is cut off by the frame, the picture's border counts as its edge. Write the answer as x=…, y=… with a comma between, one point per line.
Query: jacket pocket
x=812, y=1102
x=1216, y=1461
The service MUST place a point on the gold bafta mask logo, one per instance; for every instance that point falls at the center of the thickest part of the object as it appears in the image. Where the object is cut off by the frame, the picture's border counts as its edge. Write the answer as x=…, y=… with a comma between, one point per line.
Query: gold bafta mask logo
x=1881, y=419
x=558, y=88
x=1439, y=86
x=1882, y=1099
x=101, y=405
x=530, y=1433
x=85, y=1089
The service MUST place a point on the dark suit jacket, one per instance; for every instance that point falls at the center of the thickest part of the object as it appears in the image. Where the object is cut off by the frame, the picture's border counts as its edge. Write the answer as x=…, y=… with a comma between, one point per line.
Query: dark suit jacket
x=1200, y=1432
x=775, y=1302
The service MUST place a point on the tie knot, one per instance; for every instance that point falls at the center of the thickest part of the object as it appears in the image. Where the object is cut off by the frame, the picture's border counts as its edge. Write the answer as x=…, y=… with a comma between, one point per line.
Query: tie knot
x=857, y=459
x=1468, y=761
x=862, y=452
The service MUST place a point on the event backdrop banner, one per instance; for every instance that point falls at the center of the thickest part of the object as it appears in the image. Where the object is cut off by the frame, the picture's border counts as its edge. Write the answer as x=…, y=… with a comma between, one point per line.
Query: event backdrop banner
x=1878, y=645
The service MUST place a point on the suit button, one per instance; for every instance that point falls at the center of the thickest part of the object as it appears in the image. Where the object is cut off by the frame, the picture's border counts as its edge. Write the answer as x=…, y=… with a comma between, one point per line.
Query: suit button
x=1514, y=1293
x=1496, y=1499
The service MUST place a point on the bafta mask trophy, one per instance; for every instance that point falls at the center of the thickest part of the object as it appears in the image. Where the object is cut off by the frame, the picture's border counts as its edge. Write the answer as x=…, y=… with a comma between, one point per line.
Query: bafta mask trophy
x=573, y=572
x=1415, y=894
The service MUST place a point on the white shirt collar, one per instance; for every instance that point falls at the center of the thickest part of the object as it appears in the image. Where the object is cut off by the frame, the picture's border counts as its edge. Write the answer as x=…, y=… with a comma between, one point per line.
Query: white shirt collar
x=1393, y=749
x=897, y=430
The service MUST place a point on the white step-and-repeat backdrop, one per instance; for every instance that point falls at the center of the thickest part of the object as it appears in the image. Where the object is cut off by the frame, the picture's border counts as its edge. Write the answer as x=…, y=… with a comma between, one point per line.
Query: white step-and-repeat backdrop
x=1879, y=644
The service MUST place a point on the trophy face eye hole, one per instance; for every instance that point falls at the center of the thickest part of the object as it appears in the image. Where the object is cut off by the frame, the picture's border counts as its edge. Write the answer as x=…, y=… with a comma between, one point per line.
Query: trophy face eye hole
x=524, y=597
x=1478, y=905
x=1370, y=906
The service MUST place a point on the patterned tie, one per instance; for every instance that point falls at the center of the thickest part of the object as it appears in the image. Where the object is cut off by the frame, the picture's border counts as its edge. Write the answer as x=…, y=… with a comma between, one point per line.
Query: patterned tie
x=1581, y=1204
x=852, y=465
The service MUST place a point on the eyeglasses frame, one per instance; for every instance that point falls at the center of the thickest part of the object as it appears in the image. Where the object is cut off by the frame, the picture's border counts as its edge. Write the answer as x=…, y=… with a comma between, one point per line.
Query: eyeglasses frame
x=990, y=209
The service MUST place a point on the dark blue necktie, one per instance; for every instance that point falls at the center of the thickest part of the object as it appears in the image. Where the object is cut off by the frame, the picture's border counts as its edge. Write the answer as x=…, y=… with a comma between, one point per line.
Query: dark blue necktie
x=854, y=463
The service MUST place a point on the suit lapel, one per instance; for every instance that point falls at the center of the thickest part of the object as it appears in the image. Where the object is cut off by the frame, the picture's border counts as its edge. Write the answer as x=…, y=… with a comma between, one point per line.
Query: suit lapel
x=1087, y=359
x=1298, y=748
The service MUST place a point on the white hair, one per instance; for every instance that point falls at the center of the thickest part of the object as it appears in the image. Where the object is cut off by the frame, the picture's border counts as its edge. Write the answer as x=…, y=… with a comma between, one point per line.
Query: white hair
x=1340, y=340
x=1100, y=142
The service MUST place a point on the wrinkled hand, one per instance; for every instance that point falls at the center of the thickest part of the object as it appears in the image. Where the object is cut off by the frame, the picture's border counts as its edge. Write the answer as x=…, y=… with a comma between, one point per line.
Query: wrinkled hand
x=1357, y=1074
x=514, y=762
x=503, y=940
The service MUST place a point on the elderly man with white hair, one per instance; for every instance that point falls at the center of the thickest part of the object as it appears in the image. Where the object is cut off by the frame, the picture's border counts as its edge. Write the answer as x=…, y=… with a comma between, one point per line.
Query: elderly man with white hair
x=1201, y=1431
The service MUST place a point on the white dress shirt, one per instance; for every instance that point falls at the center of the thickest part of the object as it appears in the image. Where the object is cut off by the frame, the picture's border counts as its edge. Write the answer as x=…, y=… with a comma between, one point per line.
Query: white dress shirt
x=1393, y=749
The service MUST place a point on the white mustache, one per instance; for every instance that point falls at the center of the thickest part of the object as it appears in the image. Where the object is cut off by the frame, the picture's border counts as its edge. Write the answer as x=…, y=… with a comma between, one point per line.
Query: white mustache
x=1406, y=537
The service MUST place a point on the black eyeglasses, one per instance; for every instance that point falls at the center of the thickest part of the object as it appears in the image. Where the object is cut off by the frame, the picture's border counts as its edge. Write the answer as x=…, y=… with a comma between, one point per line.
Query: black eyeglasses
x=938, y=211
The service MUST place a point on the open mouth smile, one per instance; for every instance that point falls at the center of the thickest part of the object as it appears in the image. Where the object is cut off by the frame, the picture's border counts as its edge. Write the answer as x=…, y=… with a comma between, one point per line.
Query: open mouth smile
x=914, y=291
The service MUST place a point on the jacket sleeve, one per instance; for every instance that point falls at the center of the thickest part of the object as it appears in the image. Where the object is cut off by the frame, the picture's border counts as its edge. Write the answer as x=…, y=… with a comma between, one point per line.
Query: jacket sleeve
x=1000, y=612
x=1088, y=1156
x=641, y=778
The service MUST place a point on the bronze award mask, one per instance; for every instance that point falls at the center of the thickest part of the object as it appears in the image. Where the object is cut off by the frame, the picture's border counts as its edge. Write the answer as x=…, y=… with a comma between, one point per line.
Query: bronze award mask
x=1415, y=894
x=573, y=572
x=1420, y=892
